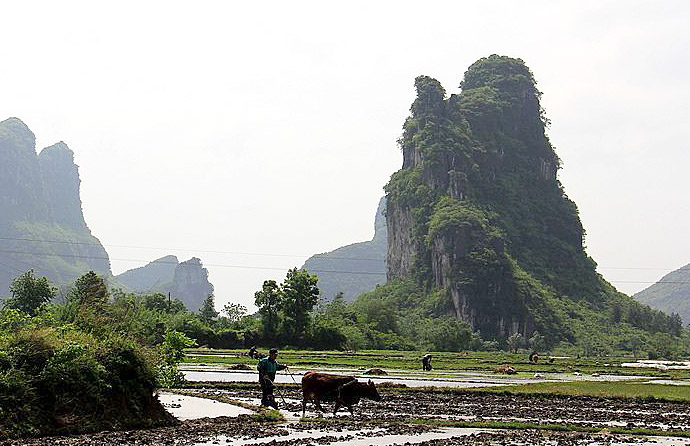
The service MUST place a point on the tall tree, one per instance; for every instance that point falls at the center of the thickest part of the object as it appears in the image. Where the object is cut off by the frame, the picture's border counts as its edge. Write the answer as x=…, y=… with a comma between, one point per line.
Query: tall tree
x=207, y=312
x=90, y=291
x=234, y=312
x=269, y=302
x=29, y=293
x=300, y=295
x=514, y=342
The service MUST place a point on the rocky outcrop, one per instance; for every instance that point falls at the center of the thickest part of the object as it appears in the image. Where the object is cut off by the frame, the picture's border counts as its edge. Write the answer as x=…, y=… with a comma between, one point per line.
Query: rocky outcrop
x=61, y=181
x=190, y=284
x=41, y=221
x=156, y=276
x=477, y=213
x=671, y=294
x=186, y=281
x=353, y=269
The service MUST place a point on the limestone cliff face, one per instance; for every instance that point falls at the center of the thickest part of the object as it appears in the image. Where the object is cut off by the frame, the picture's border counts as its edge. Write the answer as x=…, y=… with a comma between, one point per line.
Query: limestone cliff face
x=41, y=221
x=190, y=284
x=61, y=182
x=353, y=269
x=156, y=276
x=187, y=281
x=477, y=211
x=21, y=188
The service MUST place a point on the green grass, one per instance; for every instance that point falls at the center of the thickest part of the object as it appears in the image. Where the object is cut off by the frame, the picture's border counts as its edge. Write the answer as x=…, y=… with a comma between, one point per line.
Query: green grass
x=268, y=415
x=624, y=389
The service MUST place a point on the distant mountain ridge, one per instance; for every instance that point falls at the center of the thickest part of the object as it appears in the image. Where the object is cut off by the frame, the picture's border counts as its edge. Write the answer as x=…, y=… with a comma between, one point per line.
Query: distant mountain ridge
x=671, y=294
x=42, y=225
x=41, y=221
x=353, y=269
x=186, y=281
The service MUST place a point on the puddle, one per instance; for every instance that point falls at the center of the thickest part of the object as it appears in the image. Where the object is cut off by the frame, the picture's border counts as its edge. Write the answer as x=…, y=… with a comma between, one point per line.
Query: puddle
x=377, y=437
x=672, y=382
x=349, y=438
x=231, y=376
x=185, y=407
x=198, y=374
x=662, y=365
x=650, y=441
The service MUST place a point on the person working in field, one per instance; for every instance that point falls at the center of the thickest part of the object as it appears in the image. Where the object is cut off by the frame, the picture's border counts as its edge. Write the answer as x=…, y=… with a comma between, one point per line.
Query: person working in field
x=252, y=353
x=267, y=368
x=426, y=362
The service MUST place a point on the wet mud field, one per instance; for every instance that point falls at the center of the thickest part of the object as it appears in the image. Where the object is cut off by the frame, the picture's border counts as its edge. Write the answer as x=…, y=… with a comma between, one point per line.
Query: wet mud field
x=400, y=405
x=396, y=421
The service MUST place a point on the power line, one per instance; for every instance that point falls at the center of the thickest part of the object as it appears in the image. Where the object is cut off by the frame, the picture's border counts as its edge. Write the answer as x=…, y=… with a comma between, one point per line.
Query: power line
x=67, y=242
x=319, y=256
x=106, y=258
x=643, y=268
x=176, y=263
x=658, y=281
x=222, y=265
x=10, y=268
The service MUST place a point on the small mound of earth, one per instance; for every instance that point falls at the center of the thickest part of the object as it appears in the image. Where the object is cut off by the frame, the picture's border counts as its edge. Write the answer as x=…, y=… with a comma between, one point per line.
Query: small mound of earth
x=505, y=370
x=391, y=385
x=379, y=372
x=240, y=367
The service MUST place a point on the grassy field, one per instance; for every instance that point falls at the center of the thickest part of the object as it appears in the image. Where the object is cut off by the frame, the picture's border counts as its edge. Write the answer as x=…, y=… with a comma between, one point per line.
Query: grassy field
x=624, y=389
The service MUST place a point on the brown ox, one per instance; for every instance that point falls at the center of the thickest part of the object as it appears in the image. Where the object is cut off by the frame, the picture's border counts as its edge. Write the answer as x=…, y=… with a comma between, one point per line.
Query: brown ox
x=344, y=390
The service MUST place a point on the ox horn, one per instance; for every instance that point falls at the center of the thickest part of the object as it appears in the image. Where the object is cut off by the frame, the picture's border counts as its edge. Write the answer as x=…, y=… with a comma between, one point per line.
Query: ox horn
x=371, y=382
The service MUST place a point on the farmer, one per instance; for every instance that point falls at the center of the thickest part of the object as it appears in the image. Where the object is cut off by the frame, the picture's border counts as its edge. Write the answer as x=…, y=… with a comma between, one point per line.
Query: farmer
x=267, y=374
x=252, y=352
x=426, y=362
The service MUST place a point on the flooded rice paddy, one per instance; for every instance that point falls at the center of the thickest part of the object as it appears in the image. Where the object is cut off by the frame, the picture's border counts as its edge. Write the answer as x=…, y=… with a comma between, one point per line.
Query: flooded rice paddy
x=425, y=417
x=184, y=407
x=389, y=422
x=445, y=379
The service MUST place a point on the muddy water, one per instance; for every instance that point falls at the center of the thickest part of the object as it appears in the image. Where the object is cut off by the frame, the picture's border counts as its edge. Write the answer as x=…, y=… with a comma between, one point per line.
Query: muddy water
x=460, y=380
x=449, y=437
x=398, y=406
x=229, y=376
x=349, y=437
x=185, y=407
x=662, y=365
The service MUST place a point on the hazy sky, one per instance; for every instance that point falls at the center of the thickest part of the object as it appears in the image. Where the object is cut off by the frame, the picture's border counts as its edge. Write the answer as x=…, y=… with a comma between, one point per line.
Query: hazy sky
x=255, y=134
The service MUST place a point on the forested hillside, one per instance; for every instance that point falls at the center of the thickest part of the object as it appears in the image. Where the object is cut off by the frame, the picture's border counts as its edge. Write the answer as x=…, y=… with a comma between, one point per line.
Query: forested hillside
x=670, y=294
x=479, y=221
x=42, y=226
x=353, y=269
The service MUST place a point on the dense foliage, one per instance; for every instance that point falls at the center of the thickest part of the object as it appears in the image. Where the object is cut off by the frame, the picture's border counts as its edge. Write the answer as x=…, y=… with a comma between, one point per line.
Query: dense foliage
x=89, y=363
x=41, y=206
x=480, y=222
x=93, y=361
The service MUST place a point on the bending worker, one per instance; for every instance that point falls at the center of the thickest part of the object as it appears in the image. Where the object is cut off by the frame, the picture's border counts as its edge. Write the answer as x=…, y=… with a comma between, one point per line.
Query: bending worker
x=426, y=362
x=267, y=374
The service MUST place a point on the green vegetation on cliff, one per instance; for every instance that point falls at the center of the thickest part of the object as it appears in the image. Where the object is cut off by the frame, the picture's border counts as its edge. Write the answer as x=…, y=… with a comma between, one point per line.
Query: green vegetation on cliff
x=670, y=294
x=42, y=226
x=478, y=218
